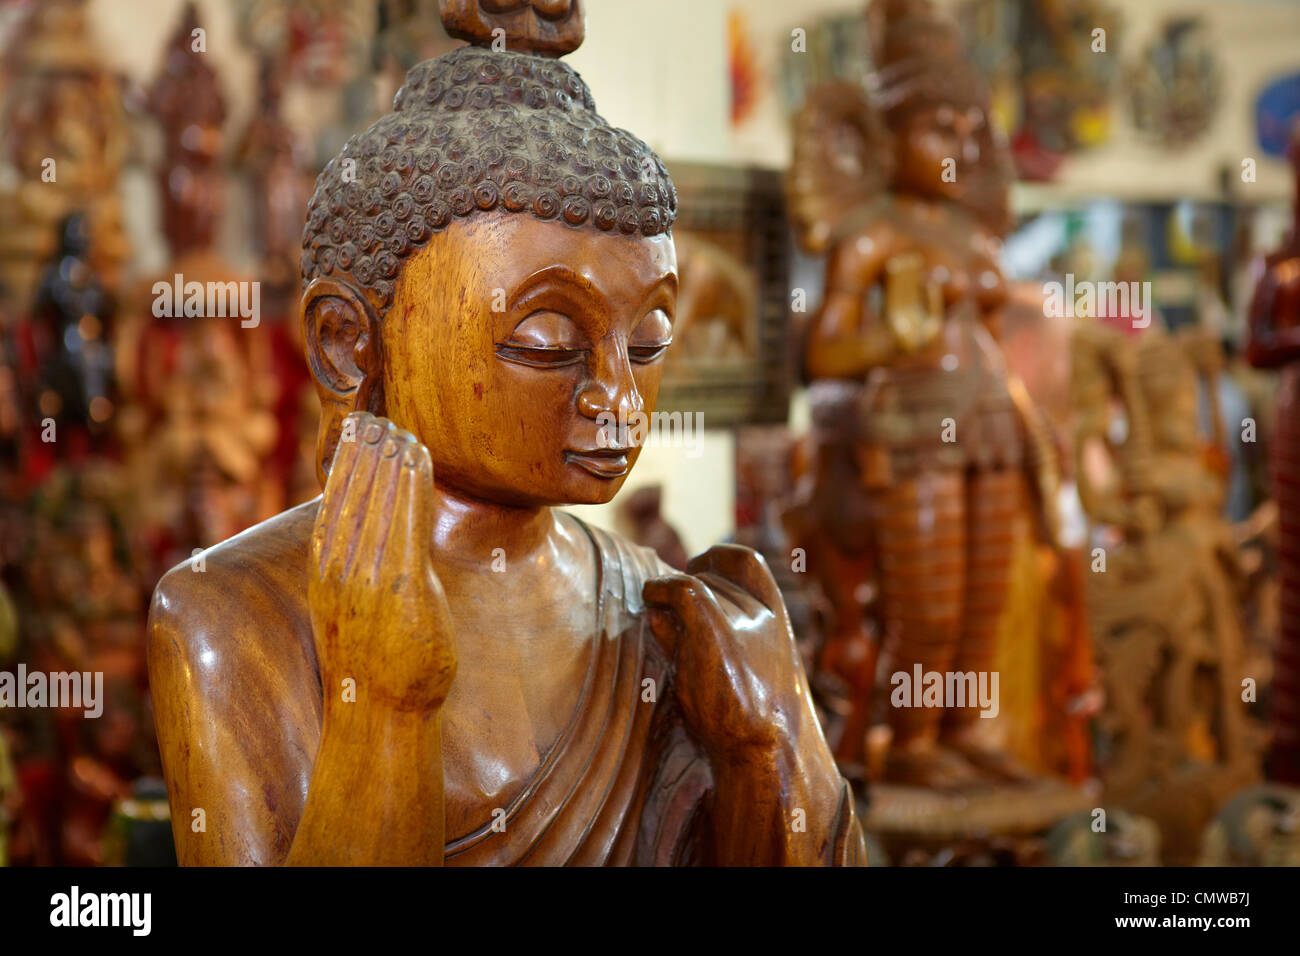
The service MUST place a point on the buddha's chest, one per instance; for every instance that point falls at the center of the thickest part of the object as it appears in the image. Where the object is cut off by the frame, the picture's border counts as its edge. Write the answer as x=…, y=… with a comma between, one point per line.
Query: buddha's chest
x=511, y=702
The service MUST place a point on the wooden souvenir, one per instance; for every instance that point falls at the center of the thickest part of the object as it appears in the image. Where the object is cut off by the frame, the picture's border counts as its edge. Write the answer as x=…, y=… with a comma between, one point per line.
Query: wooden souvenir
x=905, y=192
x=430, y=664
x=1258, y=827
x=194, y=356
x=67, y=340
x=1275, y=343
x=828, y=525
x=1174, y=737
x=651, y=529
x=904, y=188
x=273, y=157
x=65, y=135
x=81, y=607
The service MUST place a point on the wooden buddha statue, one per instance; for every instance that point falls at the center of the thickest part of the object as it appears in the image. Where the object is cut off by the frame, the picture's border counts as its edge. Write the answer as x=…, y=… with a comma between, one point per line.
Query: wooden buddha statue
x=1275, y=343
x=430, y=664
x=904, y=189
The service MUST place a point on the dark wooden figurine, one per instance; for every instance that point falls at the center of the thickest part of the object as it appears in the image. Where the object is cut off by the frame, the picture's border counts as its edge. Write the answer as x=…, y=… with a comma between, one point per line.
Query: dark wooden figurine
x=1275, y=343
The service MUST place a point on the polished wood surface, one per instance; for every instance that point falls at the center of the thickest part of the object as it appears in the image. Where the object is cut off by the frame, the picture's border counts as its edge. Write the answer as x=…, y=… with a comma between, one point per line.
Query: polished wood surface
x=430, y=664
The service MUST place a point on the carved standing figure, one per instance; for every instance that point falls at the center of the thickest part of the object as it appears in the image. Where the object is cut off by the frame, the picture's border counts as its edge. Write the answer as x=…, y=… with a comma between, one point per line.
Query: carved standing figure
x=1164, y=597
x=1275, y=343
x=430, y=664
x=194, y=370
x=904, y=189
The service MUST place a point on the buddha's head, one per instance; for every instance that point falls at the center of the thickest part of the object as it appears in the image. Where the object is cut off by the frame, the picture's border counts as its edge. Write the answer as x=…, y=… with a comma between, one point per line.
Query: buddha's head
x=490, y=267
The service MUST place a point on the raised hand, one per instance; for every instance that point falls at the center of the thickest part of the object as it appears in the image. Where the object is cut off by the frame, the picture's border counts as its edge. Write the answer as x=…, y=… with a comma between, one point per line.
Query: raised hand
x=378, y=611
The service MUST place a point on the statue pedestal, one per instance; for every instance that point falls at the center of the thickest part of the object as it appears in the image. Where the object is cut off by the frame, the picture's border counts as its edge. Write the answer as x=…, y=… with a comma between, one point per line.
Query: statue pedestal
x=1002, y=825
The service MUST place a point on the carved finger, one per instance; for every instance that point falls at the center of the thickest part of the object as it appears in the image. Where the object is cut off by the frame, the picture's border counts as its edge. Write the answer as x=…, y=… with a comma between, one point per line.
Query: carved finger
x=380, y=507
x=336, y=486
x=680, y=603
x=356, y=497
x=411, y=530
x=744, y=569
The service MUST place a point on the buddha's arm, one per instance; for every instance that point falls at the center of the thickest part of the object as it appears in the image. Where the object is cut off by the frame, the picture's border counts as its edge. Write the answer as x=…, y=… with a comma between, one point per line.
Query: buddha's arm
x=383, y=637
x=243, y=742
x=236, y=707
x=367, y=804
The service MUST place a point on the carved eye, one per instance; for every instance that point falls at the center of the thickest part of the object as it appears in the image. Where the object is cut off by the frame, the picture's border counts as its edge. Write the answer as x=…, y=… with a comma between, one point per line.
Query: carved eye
x=652, y=336
x=544, y=340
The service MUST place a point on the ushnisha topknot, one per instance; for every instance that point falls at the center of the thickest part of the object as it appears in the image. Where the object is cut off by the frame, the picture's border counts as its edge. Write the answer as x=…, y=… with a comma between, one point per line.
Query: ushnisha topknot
x=477, y=130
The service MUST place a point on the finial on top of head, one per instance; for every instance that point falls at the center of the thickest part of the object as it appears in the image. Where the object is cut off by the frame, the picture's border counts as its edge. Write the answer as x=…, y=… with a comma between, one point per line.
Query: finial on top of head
x=542, y=27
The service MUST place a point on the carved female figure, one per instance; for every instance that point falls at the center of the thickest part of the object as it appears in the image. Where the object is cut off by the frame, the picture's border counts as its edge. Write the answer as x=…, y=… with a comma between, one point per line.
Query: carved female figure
x=430, y=663
x=905, y=189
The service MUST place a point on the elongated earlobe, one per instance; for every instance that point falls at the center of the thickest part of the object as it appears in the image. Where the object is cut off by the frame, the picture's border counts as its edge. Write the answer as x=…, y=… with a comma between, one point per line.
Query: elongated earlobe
x=340, y=331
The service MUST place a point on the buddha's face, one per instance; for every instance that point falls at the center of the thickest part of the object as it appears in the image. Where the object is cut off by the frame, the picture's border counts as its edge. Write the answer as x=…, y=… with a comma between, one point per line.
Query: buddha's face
x=512, y=343
x=939, y=150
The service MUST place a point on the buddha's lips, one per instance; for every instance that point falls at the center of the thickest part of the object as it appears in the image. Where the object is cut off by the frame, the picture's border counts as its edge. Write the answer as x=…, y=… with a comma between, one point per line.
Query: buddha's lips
x=601, y=462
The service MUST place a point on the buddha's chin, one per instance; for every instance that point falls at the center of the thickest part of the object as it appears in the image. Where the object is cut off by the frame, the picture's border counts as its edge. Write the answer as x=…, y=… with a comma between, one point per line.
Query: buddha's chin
x=590, y=487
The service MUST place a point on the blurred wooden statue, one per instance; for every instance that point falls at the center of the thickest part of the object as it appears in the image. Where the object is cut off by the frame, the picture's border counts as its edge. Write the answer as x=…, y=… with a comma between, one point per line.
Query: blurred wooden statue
x=66, y=344
x=1275, y=343
x=905, y=191
x=194, y=359
x=65, y=135
x=828, y=524
x=81, y=608
x=651, y=529
x=1163, y=588
x=273, y=157
x=1258, y=827
x=430, y=664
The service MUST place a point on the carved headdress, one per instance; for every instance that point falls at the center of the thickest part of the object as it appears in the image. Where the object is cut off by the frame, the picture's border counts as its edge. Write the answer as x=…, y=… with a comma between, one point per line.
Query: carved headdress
x=479, y=129
x=919, y=61
x=844, y=135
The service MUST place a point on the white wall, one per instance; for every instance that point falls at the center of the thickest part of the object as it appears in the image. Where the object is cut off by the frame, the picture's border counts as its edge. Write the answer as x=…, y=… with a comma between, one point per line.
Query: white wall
x=1258, y=40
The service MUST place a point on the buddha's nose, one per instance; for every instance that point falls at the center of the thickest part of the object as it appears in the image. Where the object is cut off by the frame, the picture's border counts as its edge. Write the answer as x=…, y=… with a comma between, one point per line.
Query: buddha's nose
x=611, y=387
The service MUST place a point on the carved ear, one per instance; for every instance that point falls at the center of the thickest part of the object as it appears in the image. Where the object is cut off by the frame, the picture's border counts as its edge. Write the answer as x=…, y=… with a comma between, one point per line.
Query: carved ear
x=341, y=335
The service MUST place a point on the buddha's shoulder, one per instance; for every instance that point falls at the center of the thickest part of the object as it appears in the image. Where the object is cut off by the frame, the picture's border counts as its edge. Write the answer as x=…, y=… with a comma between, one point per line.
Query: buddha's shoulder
x=252, y=584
